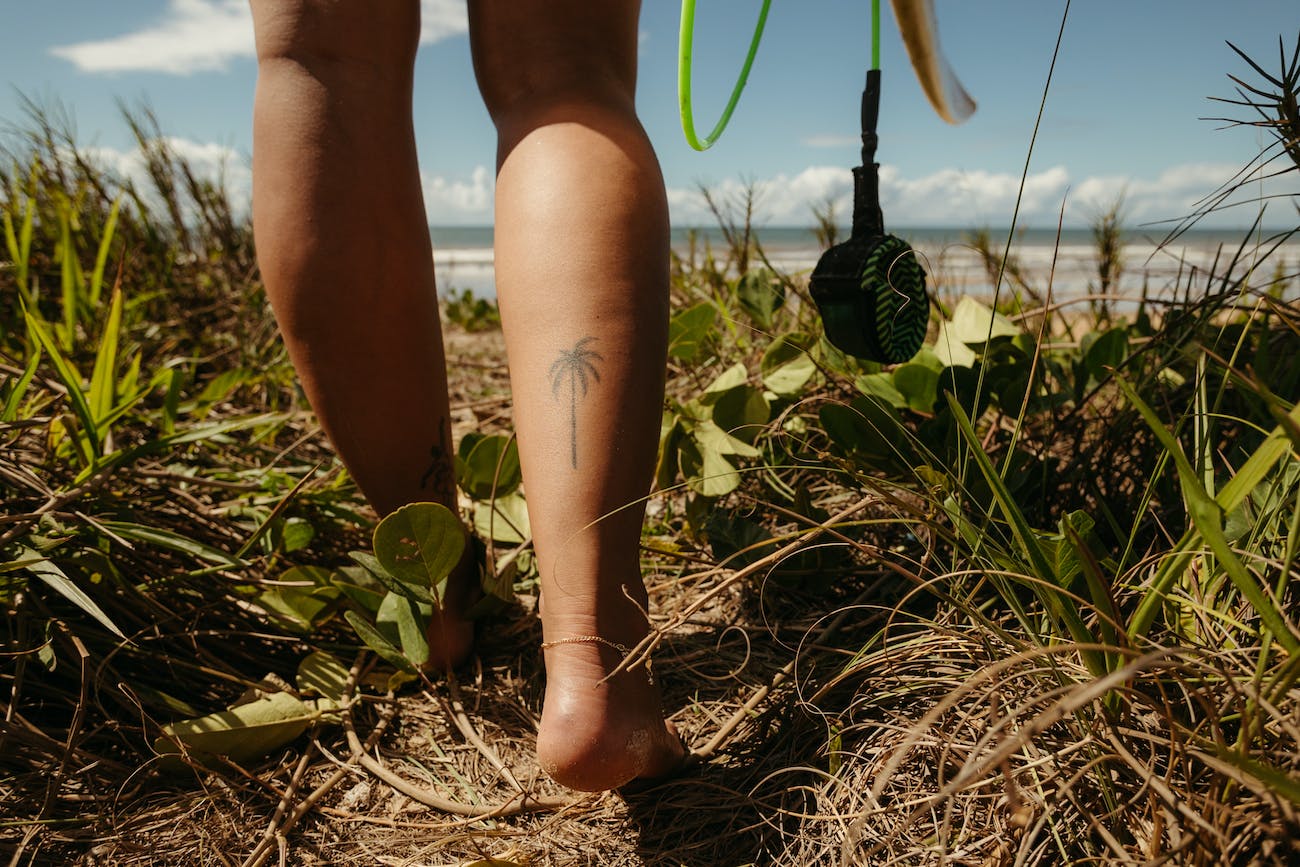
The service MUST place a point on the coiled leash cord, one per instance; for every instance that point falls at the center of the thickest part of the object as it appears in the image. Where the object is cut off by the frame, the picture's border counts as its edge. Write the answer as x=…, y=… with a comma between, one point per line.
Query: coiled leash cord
x=870, y=289
x=686, y=43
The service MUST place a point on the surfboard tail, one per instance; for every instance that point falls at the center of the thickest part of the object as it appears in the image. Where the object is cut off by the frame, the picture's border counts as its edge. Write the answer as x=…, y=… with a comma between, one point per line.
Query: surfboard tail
x=920, y=30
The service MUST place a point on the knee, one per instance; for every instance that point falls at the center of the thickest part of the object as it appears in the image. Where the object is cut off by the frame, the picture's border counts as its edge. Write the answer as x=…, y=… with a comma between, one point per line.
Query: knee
x=544, y=64
x=596, y=100
x=320, y=35
x=529, y=101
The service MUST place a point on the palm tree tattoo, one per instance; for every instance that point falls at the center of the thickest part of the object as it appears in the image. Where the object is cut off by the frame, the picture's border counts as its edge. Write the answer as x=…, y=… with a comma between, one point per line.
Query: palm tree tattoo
x=573, y=367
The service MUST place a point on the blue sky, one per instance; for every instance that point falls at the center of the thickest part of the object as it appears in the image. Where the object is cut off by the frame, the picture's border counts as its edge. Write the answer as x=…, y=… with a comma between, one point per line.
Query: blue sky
x=1131, y=83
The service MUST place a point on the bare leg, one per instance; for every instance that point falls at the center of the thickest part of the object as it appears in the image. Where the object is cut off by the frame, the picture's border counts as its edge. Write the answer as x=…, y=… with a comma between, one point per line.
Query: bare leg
x=582, y=278
x=343, y=244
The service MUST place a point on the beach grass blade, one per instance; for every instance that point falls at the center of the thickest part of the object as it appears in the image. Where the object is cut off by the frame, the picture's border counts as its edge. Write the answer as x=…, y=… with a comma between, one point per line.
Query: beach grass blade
x=56, y=579
x=1207, y=514
x=72, y=382
x=101, y=256
x=9, y=412
x=103, y=383
x=1231, y=495
x=1058, y=606
x=72, y=277
x=19, y=243
x=172, y=541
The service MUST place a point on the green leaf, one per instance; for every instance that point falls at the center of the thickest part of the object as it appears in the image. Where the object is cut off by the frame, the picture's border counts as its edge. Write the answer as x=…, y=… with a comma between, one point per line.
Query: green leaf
x=870, y=429
x=727, y=380
x=56, y=580
x=420, y=544
x=174, y=379
x=376, y=642
x=1276, y=782
x=9, y=412
x=718, y=477
x=918, y=384
x=1076, y=528
x=689, y=329
x=498, y=590
x=359, y=585
x=414, y=592
x=1231, y=495
x=974, y=324
x=736, y=542
x=297, y=534
x=671, y=432
x=504, y=519
x=1106, y=353
x=488, y=466
x=301, y=609
x=103, y=384
x=742, y=412
x=881, y=385
x=399, y=623
x=164, y=701
x=787, y=366
x=323, y=674
x=218, y=389
x=243, y=733
x=73, y=280
x=20, y=243
x=760, y=294
x=710, y=437
x=950, y=351
x=707, y=472
x=71, y=381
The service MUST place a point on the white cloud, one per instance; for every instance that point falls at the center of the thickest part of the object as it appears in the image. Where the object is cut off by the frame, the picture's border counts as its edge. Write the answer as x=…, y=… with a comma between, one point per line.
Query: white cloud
x=448, y=200
x=781, y=200
x=205, y=35
x=209, y=161
x=451, y=201
x=442, y=19
x=193, y=36
x=1174, y=192
x=953, y=197
x=957, y=197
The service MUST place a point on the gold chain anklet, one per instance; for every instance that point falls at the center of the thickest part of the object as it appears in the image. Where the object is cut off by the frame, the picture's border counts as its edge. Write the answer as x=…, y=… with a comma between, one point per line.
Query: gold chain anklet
x=596, y=639
x=587, y=639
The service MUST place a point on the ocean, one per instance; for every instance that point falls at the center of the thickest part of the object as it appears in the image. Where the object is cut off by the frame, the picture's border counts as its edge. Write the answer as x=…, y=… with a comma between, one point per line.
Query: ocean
x=463, y=257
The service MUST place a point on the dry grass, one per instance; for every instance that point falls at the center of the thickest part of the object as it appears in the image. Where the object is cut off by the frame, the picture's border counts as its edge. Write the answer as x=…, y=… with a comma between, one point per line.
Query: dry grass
x=943, y=746
x=896, y=715
x=943, y=741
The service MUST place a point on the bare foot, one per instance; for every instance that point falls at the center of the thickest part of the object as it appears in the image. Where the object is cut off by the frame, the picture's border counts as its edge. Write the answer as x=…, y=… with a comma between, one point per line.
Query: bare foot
x=451, y=632
x=597, y=736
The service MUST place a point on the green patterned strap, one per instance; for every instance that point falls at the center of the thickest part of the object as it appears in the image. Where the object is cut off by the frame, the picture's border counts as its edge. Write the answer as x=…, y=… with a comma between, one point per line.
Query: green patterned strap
x=894, y=283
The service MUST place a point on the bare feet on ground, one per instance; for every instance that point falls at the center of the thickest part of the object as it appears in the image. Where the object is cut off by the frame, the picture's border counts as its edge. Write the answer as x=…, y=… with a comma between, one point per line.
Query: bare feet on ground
x=596, y=735
x=451, y=632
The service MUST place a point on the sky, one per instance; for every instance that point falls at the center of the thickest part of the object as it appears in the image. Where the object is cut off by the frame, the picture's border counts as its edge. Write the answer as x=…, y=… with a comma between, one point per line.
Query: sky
x=1124, y=114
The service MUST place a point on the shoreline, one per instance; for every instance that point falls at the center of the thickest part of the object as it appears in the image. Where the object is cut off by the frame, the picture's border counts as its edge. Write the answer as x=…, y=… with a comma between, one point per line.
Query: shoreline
x=464, y=258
